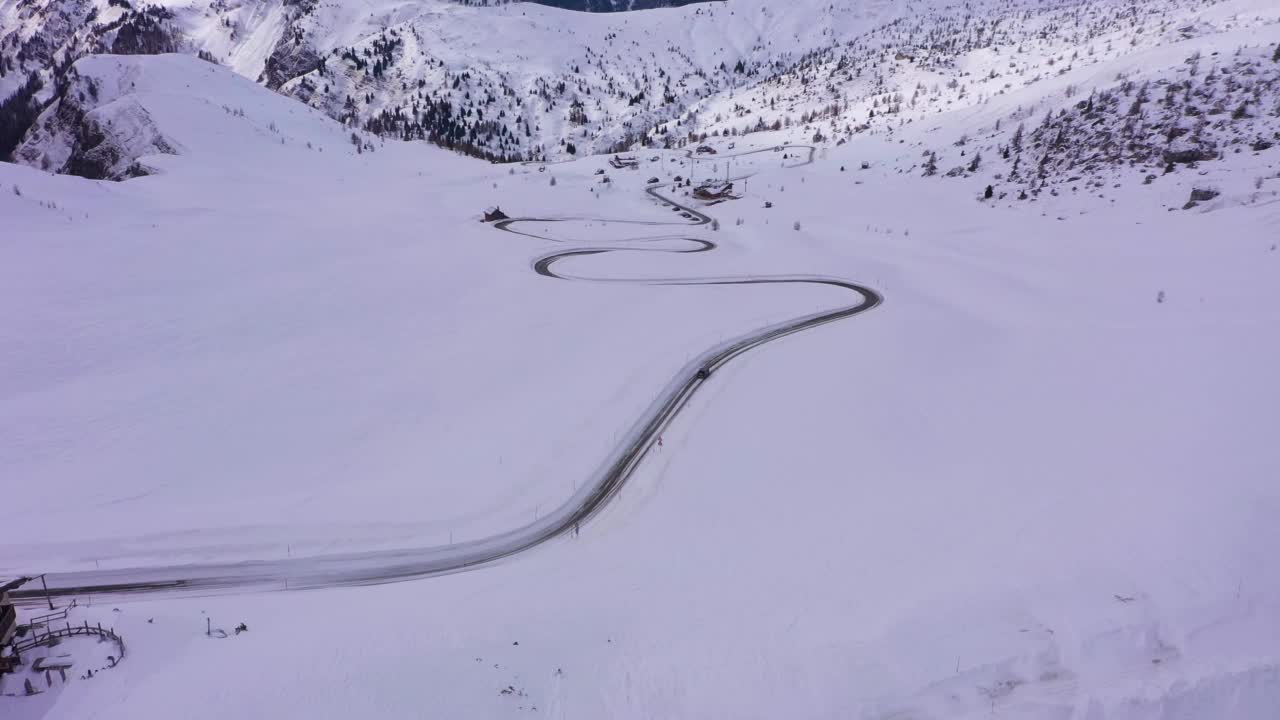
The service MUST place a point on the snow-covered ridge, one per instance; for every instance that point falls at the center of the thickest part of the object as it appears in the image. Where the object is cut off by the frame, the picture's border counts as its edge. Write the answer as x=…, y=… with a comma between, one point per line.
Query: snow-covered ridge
x=118, y=113
x=987, y=61
x=526, y=81
x=514, y=80
x=517, y=81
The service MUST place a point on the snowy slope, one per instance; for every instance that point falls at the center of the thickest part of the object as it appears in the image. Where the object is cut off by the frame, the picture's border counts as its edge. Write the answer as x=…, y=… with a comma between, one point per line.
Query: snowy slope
x=520, y=81
x=593, y=80
x=516, y=80
x=1037, y=482
x=137, y=376
x=991, y=58
x=511, y=80
x=118, y=109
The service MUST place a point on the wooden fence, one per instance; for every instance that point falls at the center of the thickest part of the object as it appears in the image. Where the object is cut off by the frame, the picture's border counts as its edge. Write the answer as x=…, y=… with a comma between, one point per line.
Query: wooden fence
x=37, y=639
x=50, y=617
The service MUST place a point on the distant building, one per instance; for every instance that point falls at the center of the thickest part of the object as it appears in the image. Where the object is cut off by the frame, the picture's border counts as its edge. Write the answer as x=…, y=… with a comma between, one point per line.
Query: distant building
x=714, y=191
x=494, y=214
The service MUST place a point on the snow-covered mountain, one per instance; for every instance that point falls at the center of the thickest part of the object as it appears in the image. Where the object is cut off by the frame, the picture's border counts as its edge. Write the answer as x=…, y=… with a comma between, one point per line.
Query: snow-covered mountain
x=1077, y=76
x=506, y=81
x=517, y=80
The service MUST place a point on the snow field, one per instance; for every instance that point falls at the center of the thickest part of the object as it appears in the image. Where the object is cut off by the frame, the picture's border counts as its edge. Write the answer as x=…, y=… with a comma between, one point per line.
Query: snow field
x=1023, y=486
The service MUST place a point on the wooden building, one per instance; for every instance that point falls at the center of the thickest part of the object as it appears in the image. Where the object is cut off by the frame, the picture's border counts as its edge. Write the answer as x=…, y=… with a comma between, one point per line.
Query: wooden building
x=8, y=622
x=714, y=191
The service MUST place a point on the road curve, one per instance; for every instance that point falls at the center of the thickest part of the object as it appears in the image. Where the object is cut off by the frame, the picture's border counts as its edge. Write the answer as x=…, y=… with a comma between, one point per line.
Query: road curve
x=377, y=567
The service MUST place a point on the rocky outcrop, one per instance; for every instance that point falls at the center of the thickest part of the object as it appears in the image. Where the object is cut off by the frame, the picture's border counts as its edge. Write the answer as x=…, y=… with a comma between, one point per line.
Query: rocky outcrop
x=293, y=55
x=1190, y=153
x=108, y=148
x=1199, y=195
x=95, y=137
x=69, y=30
x=289, y=60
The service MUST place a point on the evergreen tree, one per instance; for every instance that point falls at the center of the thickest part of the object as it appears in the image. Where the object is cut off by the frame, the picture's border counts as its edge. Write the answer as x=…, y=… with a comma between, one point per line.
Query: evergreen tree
x=17, y=113
x=1016, y=143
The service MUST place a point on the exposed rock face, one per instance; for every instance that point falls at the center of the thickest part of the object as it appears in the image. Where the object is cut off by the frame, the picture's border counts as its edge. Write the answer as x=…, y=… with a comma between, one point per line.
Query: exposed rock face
x=95, y=137
x=1185, y=152
x=290, y=59
x=1199, y=195
x=1203, y=194
x=106, y=147
x=60, y=22
x=39, y=147
x=293, y=55
x=67, y=31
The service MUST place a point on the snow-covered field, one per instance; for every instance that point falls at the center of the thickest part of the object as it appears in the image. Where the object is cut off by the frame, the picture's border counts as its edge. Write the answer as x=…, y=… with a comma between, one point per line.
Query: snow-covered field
x=1038, y=482
x=203, y=333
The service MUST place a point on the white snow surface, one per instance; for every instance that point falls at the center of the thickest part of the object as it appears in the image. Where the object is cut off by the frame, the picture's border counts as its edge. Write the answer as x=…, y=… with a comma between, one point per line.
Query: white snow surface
x=1023, y=487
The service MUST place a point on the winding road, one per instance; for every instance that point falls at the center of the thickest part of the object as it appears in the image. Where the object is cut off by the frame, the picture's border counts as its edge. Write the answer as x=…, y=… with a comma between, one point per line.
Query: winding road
x=376, y=567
